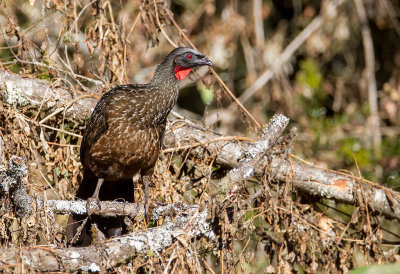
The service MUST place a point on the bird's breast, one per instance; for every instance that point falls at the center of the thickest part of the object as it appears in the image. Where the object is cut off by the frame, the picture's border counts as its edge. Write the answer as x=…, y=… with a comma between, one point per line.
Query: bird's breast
x=125, y=150
x=133, y=138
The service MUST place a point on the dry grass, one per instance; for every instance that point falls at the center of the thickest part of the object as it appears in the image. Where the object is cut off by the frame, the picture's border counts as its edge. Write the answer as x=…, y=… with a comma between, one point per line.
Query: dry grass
x=83, y=45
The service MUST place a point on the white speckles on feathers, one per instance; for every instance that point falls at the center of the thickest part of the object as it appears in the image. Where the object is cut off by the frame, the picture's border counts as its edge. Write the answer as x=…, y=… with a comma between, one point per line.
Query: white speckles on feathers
x=125, y=131
x=129, y=122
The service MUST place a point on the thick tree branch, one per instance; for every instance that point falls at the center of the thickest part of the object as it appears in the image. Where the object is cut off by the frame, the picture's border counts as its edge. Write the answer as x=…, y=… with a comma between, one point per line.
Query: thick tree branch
x=190, y=221
x=108, y=209
x=253, y=155
x=305, y=177
x=20, y=91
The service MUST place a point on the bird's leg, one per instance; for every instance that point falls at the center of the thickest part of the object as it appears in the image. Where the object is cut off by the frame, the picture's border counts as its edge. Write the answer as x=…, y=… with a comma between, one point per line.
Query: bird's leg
x=146, y=182
x=95, y=195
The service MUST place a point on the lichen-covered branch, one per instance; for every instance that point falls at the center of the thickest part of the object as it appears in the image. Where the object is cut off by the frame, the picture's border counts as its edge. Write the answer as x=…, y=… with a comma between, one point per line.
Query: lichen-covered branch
x=253, y=155
x=20, y=91
x=305, y=177
x=108, y=209
x=190, y=221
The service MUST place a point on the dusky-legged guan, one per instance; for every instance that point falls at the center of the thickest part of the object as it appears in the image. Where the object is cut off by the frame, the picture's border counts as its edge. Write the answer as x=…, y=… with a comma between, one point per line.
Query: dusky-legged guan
x=123, y=139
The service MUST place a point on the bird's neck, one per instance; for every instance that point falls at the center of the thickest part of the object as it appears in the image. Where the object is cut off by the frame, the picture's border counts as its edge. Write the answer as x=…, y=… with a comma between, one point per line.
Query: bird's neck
x=165, y=82
x=164, y=74
x=166, y=90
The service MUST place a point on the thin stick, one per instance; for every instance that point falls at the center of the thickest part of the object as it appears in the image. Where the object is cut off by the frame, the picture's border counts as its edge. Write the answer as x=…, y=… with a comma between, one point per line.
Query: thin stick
x=41, y=103
x=61, y=130
x=62, y=145
x=258, y=23
x=48, y=183
x=51, y=115
x=53, y=128
x=159, y=25
x=133, y=25
x=95, y=96
x=76, y=19
x=208, y=266
x=369, y=76
x=241, y=252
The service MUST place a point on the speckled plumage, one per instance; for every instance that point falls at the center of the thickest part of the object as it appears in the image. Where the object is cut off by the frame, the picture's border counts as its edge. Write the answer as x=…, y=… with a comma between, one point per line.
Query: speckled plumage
x=124, y=137
x=124, y=134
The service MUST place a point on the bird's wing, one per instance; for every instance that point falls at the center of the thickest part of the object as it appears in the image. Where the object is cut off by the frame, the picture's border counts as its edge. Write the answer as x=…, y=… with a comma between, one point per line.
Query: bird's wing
x=97, y=124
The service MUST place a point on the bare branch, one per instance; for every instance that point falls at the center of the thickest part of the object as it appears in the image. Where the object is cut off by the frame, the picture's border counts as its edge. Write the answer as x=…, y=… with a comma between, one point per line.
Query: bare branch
x=25, y=91
x=190, y=221
x=108, y=209
x=369, y=76
x=306, y=177
x=253, y=155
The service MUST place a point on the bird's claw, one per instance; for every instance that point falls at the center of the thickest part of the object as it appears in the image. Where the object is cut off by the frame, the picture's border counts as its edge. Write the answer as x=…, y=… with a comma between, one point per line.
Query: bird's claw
x=89, y=203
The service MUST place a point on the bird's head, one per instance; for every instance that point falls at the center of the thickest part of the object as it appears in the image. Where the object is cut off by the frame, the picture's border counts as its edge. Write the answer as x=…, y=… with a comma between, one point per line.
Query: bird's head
x=180, y=61
x=185, y=59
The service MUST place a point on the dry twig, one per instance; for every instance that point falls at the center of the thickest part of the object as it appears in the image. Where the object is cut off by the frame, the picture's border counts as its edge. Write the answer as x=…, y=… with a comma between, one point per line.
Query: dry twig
x=369, y=76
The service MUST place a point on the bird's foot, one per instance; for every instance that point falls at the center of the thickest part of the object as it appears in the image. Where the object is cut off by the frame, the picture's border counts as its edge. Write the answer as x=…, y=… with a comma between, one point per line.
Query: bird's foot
x=146, y=209
x=95, y=201
x=95, y=196
x=146, y=183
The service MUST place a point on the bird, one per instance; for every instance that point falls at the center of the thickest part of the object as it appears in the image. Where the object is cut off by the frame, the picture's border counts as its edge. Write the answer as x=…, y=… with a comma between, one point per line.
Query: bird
x=123, y=139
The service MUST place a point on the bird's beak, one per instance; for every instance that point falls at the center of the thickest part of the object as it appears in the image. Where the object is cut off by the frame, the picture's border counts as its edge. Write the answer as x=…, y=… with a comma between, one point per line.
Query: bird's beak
x=206, y=62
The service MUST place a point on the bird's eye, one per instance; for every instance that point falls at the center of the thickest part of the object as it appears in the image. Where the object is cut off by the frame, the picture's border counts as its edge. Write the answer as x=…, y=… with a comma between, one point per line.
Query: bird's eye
x=189, y=56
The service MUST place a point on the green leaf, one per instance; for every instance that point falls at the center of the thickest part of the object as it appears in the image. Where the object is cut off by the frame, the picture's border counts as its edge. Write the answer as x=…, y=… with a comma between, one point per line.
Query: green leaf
x=206, y=95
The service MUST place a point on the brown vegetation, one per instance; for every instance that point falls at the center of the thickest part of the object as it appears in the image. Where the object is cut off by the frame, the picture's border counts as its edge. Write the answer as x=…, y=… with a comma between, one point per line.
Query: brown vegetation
x=220, y=201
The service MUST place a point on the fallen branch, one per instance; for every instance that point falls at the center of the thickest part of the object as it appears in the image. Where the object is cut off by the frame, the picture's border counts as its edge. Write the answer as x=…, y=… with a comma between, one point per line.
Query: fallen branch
x=305, y=176
x=254, y=154
x=108, y=209
x=190, y=221
x=20, y=91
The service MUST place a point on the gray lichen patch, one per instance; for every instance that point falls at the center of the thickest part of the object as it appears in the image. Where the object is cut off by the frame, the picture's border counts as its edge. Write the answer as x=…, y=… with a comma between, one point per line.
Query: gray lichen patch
x=13, y=94
x=12, y=185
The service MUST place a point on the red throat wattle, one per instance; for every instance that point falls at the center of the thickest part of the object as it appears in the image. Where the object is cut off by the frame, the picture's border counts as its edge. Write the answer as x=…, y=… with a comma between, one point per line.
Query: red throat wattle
x=181, y=72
